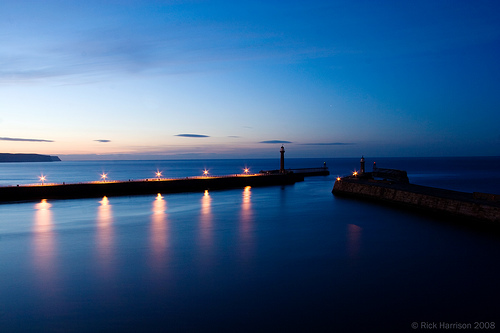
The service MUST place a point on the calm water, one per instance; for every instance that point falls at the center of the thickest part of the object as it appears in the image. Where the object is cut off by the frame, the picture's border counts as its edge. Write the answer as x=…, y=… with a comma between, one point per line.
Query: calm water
x=274, y=259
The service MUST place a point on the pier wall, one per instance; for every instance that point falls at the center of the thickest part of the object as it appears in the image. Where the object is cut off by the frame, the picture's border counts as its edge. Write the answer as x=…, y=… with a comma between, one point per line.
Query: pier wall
x=422, y=198
x=100, y=189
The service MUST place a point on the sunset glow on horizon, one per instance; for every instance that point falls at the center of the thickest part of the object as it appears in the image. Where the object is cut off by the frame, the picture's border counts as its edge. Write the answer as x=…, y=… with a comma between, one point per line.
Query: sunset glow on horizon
x=90, y=80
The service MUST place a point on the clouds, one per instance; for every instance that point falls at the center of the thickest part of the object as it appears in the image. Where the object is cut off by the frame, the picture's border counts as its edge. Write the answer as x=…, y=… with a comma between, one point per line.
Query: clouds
x=111, y=40
x=275, y=141
x=318, y=74
x=327, y=144
x=24, y=140
x=193, y=135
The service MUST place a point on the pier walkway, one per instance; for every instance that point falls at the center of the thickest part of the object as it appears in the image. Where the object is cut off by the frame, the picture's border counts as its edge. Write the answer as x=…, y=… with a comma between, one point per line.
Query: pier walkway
x=137, y=187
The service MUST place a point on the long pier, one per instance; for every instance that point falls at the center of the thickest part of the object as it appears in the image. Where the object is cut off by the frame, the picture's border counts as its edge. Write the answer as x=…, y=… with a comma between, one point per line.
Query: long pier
x=149, y=186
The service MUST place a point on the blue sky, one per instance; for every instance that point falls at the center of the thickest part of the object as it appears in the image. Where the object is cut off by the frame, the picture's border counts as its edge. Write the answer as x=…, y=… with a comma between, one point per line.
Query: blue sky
x=221, y=79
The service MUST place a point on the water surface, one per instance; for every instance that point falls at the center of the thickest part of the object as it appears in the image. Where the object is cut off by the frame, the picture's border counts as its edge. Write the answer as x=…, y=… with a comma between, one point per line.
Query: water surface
x=291, y=258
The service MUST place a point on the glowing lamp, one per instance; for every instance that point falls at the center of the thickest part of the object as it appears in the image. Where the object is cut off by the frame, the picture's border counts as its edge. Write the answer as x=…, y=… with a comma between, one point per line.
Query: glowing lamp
x=205, y=172
x=158, y=174
x=338, y=178
x=104, y=176
x=42, y=179
x=246, y=170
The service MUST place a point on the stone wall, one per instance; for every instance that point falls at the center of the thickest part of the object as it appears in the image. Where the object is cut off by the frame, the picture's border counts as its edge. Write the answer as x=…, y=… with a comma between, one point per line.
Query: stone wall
x=472, y=208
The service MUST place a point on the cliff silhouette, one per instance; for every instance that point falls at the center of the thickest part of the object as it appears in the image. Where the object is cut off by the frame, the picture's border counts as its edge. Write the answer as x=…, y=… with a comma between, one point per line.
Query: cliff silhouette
x=5, y=157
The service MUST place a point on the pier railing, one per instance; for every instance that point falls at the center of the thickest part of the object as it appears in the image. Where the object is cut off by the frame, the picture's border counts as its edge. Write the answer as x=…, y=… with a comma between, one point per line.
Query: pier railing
x=143, y=186
x=135, y=180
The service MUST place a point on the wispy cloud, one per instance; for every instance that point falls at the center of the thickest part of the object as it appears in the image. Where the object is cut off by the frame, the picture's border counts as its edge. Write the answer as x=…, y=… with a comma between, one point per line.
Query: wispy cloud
x=193, y=135
x=102, y=140
x=275, y=141
x=26, y=140
x=173, y=47
x=234, y=136
x=327, y=144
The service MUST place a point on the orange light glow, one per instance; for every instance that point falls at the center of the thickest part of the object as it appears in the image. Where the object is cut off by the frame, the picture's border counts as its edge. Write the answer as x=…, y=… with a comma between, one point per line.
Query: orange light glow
x=104, y=176
x=206, y=227
x=246, y=224
x=158, y=174
x=42, y=179
x=205, y=172
x=246, y=197
x=355, y=173
x=104, y=201
x=105, y=236
x=246, y=170
x=159, y=233
x=45, y=249
x=338, y=178
x=43, y=205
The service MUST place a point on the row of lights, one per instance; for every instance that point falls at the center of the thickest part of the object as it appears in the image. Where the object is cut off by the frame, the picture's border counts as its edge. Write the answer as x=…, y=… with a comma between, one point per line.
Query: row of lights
x=354, y=173
x=157, y=173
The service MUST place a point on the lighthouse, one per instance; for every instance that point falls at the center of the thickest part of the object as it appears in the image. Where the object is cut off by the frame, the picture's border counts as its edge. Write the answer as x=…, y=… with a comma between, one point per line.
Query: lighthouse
x=282, y=164
x=362, y=165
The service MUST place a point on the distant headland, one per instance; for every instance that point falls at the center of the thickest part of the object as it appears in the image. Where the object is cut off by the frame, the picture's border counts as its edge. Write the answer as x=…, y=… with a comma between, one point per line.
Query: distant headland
x=5, y=157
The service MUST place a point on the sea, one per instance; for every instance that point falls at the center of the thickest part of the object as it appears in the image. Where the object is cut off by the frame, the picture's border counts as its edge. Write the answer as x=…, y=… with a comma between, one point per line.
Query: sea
x=290, y=258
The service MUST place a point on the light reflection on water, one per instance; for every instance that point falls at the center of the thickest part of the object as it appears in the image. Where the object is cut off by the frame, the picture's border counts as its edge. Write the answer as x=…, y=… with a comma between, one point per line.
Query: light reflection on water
x=246, y=222
x=292, y=246
x=353, y=240
x=159, y=232
x=105, y=235
x=206, y=230
x=44, y=249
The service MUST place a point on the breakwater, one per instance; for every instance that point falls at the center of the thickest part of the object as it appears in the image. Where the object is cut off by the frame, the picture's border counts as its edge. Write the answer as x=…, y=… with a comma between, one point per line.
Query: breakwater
x=476, y=206
x=122, y=188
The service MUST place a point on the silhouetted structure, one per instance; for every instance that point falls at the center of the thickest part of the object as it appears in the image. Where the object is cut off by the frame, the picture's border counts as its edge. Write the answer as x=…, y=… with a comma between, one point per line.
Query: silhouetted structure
x=304, y=172
x=282, y=164
x=393, y=187
x=118, y=188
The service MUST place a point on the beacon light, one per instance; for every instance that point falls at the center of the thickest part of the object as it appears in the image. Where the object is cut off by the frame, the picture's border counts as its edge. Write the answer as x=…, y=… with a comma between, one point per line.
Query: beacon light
x=338, y=179
x=246, y=170
x=158, y=174
x=42, y=179
x=205, y=172
x=355, y=173
x=104, y=176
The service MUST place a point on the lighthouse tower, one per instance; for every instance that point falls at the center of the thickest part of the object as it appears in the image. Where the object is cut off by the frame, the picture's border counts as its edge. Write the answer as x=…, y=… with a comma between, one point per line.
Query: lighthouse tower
x=362, y=165
x=282, y=164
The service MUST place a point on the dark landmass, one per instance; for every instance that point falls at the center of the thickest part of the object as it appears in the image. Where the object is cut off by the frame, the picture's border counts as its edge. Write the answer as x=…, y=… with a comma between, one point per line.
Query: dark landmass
x=4, y=157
